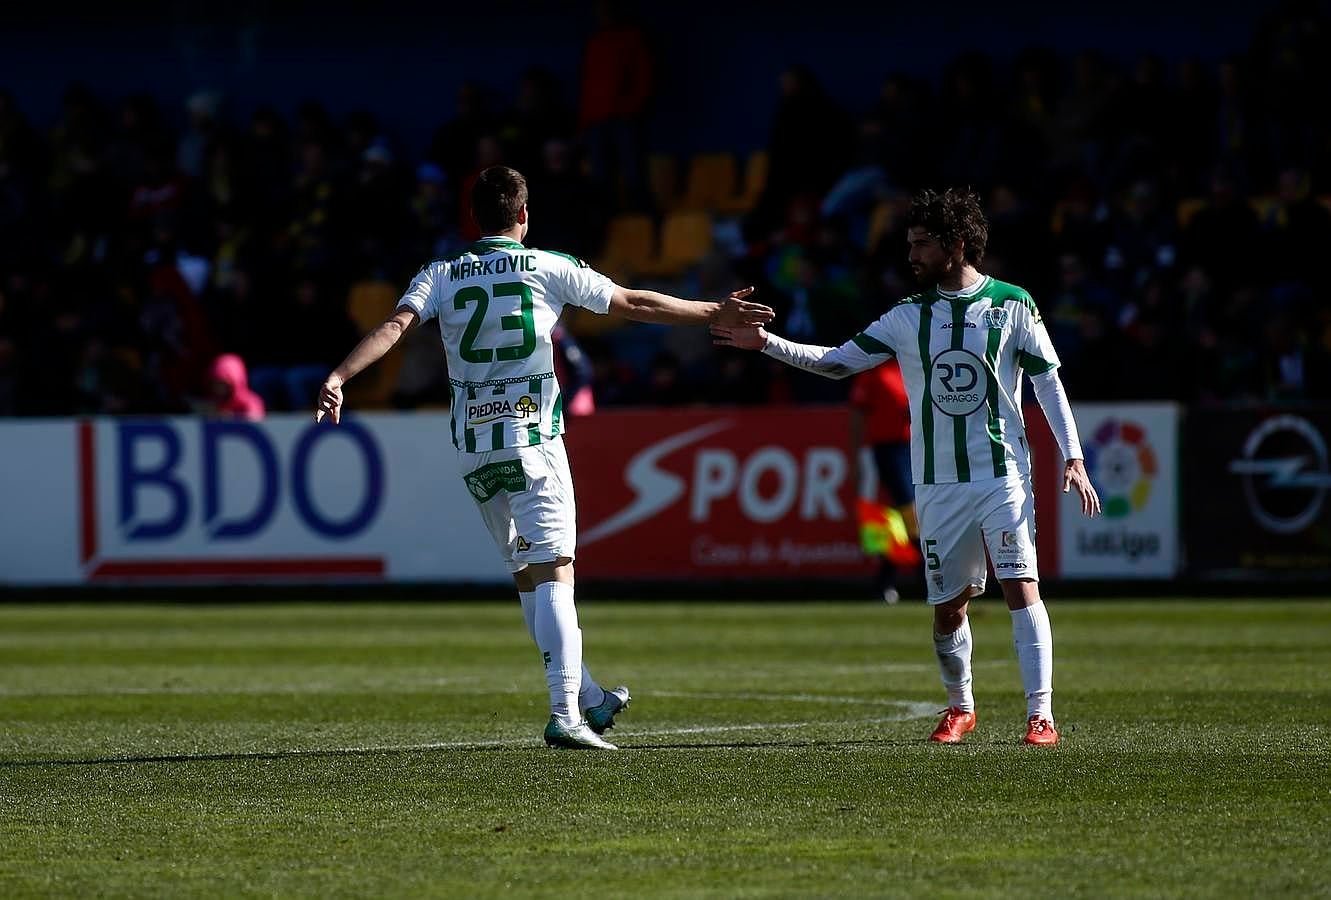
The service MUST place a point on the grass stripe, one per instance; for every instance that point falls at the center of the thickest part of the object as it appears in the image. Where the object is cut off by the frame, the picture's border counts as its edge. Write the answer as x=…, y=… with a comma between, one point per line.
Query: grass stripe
x=910, y=710
x=773, y=750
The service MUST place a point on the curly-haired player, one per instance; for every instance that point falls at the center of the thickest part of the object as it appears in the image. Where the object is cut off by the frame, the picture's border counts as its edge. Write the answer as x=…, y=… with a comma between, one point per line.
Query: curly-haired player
x=963, y=343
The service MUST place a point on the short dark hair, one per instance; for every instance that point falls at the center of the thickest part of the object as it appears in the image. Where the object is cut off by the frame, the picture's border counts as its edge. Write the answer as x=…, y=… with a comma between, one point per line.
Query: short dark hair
x=497, y=197
x=954, y=215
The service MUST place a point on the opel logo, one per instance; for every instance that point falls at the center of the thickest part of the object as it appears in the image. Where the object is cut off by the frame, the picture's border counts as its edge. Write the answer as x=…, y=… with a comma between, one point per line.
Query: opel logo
x=1285, y=473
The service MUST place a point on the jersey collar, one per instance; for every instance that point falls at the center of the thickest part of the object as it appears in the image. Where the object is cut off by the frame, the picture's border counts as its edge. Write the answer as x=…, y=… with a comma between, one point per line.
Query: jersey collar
x=967, y=293
x=497, y=242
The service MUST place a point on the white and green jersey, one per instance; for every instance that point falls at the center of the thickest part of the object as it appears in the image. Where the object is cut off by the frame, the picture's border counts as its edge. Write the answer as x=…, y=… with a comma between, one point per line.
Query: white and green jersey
x=496, y=304
x=962, y=356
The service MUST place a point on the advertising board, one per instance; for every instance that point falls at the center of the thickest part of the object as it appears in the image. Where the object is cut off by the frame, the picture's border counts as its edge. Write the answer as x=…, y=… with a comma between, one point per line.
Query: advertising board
x=191, y=499
x=1132, y=457
x=1255, y=492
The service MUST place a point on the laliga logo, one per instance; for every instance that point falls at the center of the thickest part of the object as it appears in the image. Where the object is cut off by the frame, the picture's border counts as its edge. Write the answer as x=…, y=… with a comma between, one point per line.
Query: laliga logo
x=1122, y=465
x=1285, y=473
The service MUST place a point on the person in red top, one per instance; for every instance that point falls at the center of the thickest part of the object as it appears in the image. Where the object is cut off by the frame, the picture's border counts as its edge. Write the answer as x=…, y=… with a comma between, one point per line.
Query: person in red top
x=880, y=418
x=232, y=396
x=617, y=85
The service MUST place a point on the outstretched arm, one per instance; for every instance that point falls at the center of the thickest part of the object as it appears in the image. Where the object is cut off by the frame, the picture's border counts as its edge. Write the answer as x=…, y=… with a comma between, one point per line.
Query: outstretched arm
x=663, y=309
x=1058, y=412
x=855, y=355
x=370, y=350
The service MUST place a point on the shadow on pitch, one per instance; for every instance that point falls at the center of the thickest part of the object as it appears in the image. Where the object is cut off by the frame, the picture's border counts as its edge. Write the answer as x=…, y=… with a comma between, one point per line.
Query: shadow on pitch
x=263, y=756
x=276, y=755
x=333, y=753
x=774, y=745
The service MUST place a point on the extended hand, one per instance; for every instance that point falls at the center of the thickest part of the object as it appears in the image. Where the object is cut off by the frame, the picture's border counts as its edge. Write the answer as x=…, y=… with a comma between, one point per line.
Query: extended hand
x=735, y=310
x=745, y=337
x=1074, y=475
x=330, y=400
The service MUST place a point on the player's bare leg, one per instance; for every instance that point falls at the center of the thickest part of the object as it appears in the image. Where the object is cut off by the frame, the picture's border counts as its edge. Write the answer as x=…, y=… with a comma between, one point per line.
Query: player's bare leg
x=1034, y=640
x=952, y=644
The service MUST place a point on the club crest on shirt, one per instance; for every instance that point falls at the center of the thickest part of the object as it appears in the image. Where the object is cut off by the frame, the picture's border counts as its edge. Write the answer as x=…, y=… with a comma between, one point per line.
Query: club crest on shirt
x=995, y=318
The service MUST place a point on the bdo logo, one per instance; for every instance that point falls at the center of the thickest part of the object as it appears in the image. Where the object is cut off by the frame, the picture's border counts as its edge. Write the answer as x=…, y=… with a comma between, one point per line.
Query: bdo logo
x=1122, y=465
x=223, y=498
x=959, y=382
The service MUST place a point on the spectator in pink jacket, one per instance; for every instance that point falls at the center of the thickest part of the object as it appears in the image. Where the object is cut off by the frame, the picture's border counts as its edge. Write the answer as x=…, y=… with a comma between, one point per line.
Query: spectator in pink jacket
x=231, y=390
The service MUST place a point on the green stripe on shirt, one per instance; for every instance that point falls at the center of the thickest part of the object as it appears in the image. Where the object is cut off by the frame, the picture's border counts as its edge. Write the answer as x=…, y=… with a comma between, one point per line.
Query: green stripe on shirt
x=959, y=422
x=1034, y=364
x=927, y=406
x=995, y=427
x=870, y=345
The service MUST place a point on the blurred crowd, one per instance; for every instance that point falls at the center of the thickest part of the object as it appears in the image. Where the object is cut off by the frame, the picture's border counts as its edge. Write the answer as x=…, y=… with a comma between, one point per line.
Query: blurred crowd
x=1167, y=218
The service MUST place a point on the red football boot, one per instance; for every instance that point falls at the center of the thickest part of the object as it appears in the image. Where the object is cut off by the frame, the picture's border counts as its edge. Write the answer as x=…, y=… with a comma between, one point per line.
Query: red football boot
x=953, y=726
x=1040, y=732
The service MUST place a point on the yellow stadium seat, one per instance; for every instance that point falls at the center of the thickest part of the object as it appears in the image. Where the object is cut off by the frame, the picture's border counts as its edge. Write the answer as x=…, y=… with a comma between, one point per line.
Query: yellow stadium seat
x=880, y=223
x=1187, y=208
x=686, y=237
x=755, y=182
x=369, y=302
x=630, y=246
x=711, y=181
x=585, y=323
x=1266, y=206
x=630, y=249
x=663, y=178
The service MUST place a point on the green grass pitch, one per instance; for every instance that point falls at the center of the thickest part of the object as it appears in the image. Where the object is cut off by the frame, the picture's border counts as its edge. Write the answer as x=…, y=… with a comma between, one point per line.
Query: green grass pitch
x=391, y=749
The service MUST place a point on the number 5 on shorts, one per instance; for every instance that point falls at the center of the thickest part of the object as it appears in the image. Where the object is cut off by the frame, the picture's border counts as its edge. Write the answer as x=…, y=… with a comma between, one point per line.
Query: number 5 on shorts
x=934, y=562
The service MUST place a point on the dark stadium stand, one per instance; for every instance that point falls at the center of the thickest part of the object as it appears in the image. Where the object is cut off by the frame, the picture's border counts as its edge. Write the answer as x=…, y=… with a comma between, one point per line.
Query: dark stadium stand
x=140, y=236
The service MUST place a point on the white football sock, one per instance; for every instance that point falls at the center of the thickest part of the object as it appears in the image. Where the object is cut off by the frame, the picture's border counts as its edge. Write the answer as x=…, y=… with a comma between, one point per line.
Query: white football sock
x=1035, y=654
x=558, y=637
x=589, y=692
x=954, y=662
x=528, y=599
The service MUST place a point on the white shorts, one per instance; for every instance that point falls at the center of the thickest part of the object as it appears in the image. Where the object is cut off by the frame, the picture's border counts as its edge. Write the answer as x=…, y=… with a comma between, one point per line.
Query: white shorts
x=957, y=521
x=525, y=495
